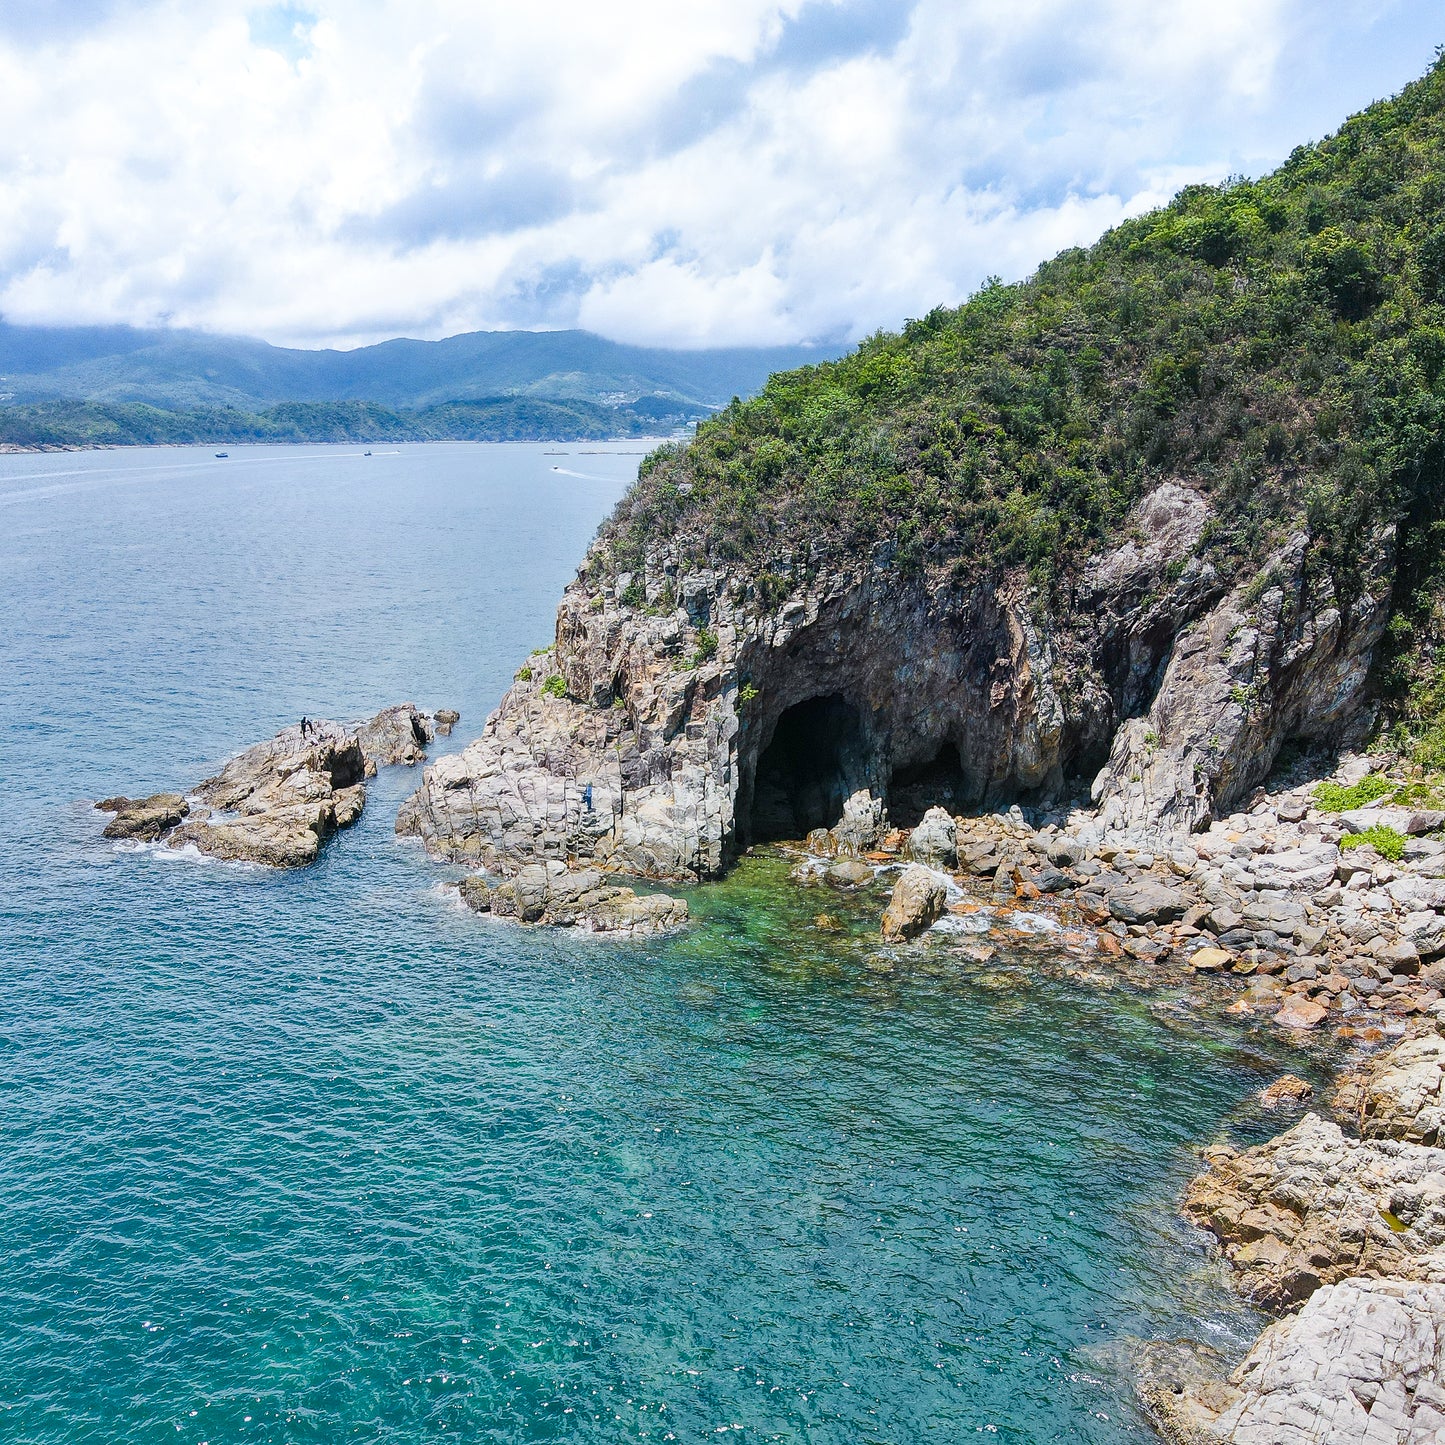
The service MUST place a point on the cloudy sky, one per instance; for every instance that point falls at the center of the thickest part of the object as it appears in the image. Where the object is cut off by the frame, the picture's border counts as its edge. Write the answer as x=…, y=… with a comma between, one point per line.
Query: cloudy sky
x=675, y=172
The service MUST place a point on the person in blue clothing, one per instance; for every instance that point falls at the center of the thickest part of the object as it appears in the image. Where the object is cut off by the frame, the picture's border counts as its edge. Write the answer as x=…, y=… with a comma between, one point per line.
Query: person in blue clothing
x=587, y=797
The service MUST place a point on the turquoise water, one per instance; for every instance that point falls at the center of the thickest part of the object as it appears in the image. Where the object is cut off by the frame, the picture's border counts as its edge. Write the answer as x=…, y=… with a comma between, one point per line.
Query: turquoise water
x=318, y=1157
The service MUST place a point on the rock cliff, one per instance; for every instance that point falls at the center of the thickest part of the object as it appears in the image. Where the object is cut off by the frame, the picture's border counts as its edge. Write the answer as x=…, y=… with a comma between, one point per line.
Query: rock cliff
x=687, y=713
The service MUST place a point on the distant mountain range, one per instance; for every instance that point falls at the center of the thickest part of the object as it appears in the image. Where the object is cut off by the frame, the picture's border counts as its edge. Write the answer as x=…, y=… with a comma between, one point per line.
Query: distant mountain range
x=191, y=369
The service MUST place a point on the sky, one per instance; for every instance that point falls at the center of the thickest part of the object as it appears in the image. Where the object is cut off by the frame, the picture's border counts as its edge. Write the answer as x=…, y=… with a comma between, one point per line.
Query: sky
x=666, y=172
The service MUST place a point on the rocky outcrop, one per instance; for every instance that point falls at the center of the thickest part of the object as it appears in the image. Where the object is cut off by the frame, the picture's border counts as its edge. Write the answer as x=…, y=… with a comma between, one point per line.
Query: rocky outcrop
x=1360, y=1364
x=276, y=803
x=1399, y=1095
x=552, y=893
x=1313, y=1207
x=688, y=711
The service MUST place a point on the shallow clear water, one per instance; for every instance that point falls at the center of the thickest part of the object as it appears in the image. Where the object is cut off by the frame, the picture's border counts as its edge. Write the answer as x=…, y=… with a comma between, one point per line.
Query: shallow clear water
x=319, y=1157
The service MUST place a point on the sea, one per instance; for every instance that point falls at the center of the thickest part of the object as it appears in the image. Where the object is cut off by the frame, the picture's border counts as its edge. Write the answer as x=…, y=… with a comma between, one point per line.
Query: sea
x=318, y=1156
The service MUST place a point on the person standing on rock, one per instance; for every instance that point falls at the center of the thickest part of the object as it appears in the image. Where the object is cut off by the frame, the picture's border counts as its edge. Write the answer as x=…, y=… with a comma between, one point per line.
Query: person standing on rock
x=587, y=797
x=305, y=727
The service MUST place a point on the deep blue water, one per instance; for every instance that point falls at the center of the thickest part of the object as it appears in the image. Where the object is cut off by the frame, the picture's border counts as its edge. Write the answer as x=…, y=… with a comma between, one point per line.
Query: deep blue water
x=318, y=1157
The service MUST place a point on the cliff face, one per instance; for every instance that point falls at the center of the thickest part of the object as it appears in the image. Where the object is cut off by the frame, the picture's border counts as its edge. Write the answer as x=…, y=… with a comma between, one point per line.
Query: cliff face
x=686, y=734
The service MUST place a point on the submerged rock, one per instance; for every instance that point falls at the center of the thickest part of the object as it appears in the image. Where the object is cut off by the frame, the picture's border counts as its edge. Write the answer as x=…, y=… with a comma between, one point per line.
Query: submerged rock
x=916, y=904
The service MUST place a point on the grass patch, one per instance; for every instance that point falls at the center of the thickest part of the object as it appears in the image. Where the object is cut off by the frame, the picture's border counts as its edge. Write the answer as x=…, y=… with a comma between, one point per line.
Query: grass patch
x=1336, y=798
x=1387, y=842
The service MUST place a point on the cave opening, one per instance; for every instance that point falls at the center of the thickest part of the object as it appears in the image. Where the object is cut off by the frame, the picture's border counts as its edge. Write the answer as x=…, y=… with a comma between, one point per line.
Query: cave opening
x=938, y=782
x=815, y=762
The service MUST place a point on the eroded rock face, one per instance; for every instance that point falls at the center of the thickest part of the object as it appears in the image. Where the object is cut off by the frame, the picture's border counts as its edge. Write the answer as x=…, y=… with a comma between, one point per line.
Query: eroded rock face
x=686, y=712
x=1401, y=1094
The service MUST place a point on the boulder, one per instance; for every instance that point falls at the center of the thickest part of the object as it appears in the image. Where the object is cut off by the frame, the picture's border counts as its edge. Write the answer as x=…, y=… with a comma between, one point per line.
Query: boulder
x=934, y=842
x=1400, y=1094
x=1287, y=1091
x=848, y=873
x=144, y=819
x=863, y=823
x=1147, y=903
x=1301, y=1013
x=916, y=905
x=476, y=893
x=445, y=719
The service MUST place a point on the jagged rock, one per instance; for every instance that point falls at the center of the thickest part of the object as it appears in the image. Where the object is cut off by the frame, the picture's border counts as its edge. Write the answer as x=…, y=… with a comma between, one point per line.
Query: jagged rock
x=1400, y=1094
x=445, y=719
x=1360, y=1364
x=396, y=735
x=863, y=823
x=1147, y=903
x=144, y=819
x=277, y=802
x=916, y=905
x=934, y=842
x=1313, y=1207
x=559, y=896
x=476, y=893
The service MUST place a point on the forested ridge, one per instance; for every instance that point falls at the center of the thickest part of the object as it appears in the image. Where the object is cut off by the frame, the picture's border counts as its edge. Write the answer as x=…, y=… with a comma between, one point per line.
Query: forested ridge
x=1277, y=343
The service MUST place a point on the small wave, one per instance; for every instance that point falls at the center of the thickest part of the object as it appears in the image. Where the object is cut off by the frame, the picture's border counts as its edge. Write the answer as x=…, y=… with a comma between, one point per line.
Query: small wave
x=1034, y=923
x=186, y=853
x=963, y=923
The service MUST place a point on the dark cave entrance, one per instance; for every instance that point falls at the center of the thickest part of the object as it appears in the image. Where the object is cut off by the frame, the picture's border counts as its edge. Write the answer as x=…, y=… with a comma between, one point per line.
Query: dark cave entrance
x=816, y=761
x=937, y=783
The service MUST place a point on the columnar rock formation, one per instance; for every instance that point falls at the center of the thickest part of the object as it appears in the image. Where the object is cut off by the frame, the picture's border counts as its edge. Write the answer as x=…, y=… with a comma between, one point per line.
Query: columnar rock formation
x=686, y=713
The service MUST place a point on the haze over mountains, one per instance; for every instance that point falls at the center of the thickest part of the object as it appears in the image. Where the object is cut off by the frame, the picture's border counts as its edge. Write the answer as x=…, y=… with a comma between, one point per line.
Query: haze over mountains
x=190, y=369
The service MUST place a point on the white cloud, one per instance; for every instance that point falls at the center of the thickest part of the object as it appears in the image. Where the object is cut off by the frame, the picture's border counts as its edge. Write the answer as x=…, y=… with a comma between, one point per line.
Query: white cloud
x=675, y=171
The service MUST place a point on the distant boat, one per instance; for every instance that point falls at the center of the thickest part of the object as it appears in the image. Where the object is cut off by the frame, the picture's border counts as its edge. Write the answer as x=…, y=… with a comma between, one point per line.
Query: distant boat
x=223, y=454
x=366, y=454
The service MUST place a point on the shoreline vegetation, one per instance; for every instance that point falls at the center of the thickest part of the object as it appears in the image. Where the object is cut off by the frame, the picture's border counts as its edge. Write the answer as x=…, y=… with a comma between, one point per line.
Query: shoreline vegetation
x=84, y=425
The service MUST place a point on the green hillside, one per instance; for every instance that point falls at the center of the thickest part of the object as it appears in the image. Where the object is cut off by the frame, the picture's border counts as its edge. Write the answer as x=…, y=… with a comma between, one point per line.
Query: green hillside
x=1279, y=343
x=493, y=419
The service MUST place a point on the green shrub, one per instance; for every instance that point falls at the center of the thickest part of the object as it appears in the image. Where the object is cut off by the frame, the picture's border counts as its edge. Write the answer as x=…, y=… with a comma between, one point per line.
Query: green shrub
x=555, y=686
x=1336, y=798
x=524, y=673
x=1386, y=841
x=748, y=694
x=706, y=647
